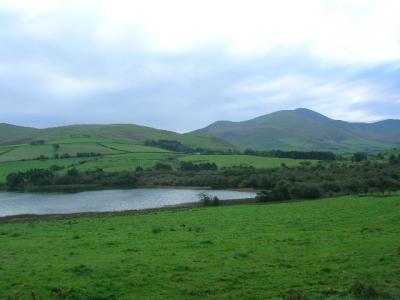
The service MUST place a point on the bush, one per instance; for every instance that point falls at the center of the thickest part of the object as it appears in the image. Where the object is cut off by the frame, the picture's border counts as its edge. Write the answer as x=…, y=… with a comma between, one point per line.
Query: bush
x=264, y=196
x=362, y=290
x=205, y=199
x=15, y=181
x=162, y=167
x=281, y=191
x=303, y=191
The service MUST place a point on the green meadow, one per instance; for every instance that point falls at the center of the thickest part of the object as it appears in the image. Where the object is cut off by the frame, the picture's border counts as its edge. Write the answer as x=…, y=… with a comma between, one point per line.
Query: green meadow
x=346, y=247
x=115, y=156
x=242, y=160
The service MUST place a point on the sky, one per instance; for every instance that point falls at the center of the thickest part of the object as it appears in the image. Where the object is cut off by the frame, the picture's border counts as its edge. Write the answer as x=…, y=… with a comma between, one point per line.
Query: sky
x=183, y=64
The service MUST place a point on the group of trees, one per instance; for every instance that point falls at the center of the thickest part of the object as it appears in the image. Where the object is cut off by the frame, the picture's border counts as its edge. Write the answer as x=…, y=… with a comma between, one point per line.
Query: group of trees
x=67, y=155
x=177, y=146
x=190, y=166
x=303, y=181
x=393, y=159
x=171, y=145
x=88, y=154
x=318, y=155
x=48, y=177
x=358, y=175
x=37, y=142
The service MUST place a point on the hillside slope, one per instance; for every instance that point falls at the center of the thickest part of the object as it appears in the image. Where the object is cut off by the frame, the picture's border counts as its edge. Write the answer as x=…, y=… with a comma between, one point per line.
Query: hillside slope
x=304, y=129
x=128, y=133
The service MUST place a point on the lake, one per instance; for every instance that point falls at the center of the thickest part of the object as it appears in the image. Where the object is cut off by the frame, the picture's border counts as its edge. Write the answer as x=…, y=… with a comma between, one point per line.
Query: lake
x=105, y=200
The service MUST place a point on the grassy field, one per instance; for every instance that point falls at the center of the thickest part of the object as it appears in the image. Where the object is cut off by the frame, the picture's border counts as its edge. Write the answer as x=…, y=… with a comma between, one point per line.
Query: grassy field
x=242, y=160
x=31, y=152
x=125, y=133
x=345, y=247
x=116, y=157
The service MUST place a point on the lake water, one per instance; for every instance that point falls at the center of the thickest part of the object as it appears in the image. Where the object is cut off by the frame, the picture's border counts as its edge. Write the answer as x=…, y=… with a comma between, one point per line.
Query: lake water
x=105, y=200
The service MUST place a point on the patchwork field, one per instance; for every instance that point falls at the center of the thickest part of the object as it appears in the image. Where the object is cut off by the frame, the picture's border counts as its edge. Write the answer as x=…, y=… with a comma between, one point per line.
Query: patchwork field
x=115, y=157
x=325, y=249
x=242, y=160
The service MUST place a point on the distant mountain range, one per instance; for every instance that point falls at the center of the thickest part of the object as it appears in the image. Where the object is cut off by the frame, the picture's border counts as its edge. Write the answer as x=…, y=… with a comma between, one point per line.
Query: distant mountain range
x=299, y=129
x=304, y=129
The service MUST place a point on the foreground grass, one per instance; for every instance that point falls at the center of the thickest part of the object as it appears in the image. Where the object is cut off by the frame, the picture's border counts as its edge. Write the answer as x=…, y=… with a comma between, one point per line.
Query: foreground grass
x=332, y=248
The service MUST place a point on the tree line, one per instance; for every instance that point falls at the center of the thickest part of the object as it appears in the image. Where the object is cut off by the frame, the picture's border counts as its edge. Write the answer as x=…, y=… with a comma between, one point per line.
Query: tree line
x=320, y=179
x=177, y=146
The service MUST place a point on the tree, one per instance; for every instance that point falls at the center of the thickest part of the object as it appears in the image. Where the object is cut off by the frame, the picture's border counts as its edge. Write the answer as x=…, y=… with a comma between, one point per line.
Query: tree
x=264, y=196
x=162, y=167
x=393, y=159
x=305, y=191
x=359, y=156
x=15, y=181
x=73, y=172
x=56, y=147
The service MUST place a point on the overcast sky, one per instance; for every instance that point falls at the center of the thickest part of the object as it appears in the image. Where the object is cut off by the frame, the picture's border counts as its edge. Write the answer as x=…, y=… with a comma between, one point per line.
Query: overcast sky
x=181, y=65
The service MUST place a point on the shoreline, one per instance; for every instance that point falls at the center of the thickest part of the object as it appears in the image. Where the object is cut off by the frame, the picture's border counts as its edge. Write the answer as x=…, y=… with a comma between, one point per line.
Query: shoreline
x=91, y=188
x=172, y=208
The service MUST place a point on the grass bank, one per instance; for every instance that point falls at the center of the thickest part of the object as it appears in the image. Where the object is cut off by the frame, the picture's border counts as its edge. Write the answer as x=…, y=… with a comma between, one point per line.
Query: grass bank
x=330, y=248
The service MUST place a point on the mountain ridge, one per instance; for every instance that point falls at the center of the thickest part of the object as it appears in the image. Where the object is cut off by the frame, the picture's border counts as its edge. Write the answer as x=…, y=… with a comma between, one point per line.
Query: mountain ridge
x=305, y=129
x=298, y=129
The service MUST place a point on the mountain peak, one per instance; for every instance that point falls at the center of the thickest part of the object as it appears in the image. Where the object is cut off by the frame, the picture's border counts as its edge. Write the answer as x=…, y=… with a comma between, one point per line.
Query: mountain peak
x=305, y=129
x=313, y=115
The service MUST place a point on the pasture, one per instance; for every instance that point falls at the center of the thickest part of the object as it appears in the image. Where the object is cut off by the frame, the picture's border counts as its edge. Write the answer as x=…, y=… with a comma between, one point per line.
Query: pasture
x=242, y=160
x=116, y=156
x=344, y=247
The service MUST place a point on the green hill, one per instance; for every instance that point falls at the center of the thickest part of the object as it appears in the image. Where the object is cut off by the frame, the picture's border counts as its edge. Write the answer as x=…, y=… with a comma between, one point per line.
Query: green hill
x=126, y=133
x=304, y=129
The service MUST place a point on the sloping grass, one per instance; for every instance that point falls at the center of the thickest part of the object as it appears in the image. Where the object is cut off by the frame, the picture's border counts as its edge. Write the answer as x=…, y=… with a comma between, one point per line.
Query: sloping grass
x=122, y=133
x=22, y=166
x=242, y=160
x=21, y=152
x=327, y=249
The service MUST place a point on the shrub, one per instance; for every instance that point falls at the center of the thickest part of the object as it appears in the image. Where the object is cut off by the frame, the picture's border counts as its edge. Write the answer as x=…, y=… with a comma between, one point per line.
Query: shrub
x=362, y=290
x=305, y=191
x=281, y=191
x=15, y=181
x=162, y=167
x=205, y=199
x=156, y=229
x=215, y=201
x=264, y=196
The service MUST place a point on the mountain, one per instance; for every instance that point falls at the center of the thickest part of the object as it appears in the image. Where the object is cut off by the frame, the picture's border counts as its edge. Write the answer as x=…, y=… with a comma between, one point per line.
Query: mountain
x=304, y=129
x=128, y=133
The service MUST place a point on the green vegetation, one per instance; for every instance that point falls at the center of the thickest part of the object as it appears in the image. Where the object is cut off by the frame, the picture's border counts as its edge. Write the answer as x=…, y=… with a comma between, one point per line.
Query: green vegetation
x=114, y=157
x=125, y=133
x=324, y=249
x=303, y=129
x=242, y=160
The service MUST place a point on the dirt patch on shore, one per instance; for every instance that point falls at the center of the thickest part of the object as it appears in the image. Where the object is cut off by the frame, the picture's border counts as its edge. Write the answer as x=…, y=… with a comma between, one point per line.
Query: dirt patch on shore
x=177, y=207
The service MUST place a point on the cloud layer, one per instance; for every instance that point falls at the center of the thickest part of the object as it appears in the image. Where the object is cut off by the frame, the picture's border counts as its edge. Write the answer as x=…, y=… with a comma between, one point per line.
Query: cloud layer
x=183, y=64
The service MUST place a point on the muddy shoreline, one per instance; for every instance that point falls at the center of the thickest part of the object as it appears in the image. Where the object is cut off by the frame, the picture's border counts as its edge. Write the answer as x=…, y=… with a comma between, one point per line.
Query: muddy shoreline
x=172, y=208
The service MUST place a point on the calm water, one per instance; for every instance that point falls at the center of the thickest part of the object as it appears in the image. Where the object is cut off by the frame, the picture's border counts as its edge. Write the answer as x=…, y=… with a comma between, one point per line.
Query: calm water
x=106, y=200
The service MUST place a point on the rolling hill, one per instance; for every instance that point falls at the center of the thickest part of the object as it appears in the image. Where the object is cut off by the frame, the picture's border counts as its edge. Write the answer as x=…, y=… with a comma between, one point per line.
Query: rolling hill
x=304, y=129
x=126, y=133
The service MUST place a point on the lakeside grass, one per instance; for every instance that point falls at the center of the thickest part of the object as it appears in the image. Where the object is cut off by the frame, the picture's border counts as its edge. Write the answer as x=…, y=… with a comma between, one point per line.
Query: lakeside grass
x=345, y=247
